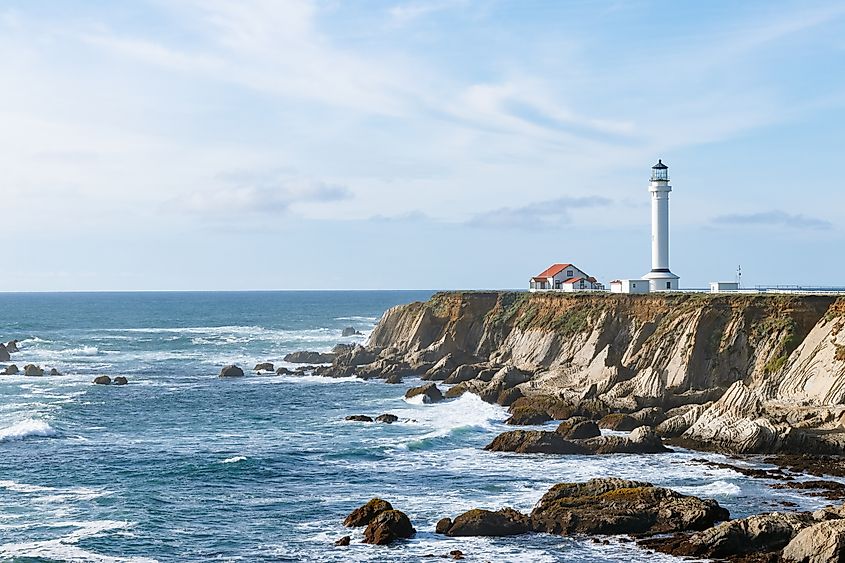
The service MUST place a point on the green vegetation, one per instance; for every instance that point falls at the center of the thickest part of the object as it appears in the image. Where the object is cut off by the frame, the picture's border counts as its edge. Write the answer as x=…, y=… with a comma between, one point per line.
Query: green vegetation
x=774, y=365
x=840, y=353
x=573, y=321
x=507, y=307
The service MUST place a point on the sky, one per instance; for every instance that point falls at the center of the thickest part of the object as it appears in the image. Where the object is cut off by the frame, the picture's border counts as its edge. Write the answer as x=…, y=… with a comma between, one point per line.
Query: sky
x=416, y=144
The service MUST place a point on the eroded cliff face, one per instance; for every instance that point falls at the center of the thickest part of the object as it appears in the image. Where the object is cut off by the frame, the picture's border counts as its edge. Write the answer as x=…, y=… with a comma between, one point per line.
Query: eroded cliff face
x=781, y=356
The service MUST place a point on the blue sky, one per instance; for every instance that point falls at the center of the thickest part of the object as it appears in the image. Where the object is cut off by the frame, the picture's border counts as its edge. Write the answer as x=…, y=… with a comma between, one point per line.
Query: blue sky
x=286, y=144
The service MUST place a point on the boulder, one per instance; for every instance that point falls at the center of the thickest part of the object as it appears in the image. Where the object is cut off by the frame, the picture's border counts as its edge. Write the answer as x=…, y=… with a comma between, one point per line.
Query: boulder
x=618, y=506
x=120, y=380
x=820, y=543
x=578, y=429
x=11, y=370
x=537, y=410
x=12, y=346
x=387, y=527
x=535, y=442
x=362, y=515
x=430, y=393
x=477, y=522
x=54, y=371
x=102, y=380
x=283, y=371
x=359, y=418
x=264, y=366
x=32, y=370
x=387, y=418
x=307, y=357
x=443, y=525
x=344, y=541
x=231, y=371
x=349, y=331
x=394, y=379
x=4, y=354
x=622, y=422
x=456, y=391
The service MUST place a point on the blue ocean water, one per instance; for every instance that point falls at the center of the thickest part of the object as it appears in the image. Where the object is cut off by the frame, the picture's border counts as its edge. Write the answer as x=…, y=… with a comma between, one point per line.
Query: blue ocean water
x=181, y=465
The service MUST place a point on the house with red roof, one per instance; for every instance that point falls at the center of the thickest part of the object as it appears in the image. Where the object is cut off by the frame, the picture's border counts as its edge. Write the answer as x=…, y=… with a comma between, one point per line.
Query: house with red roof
x=564, y=277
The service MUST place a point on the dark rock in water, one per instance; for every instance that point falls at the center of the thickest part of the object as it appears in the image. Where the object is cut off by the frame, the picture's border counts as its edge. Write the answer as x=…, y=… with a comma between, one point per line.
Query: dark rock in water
x=265, y=366
x=617, y=506
x=4, y=354
x=350, y=331
x=344, y=541
x=12, y=346
x=394, y=379
x=32, y=370
x=537, y=410
x=387, y=418
x=54, y=371
x=456, y=554
x=535, y=442
x=362, y=515
x=477, y=522
x=443, y=525
x=429, y=392
x=11, y=370
x=102, y=380
x=306, y=357
x=622, y=422
x=455, y=391
x=359, y=418
x=231, y=371
x=388, y=527
x=574, y=429
x=283, y=371
x=120, y=380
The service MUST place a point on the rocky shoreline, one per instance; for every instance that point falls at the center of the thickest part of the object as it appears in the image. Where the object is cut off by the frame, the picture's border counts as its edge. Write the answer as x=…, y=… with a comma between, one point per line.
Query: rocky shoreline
x=744, y=375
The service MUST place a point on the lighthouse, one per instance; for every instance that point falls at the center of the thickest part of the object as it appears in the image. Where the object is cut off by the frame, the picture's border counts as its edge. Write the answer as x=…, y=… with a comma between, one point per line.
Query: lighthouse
x=660, y=278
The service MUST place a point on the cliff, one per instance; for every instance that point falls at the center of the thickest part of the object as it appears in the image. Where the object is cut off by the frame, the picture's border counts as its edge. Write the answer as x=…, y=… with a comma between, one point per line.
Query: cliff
x=742, y=372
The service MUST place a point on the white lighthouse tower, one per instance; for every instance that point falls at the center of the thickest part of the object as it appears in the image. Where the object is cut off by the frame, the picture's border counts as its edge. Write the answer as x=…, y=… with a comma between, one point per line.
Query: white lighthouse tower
x=660, y=278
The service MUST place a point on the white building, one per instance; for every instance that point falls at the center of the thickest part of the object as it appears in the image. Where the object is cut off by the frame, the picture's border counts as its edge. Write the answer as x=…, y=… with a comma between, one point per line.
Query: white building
x=660, y=277
x=630, y=286
x=718, y=287
x=563, y=277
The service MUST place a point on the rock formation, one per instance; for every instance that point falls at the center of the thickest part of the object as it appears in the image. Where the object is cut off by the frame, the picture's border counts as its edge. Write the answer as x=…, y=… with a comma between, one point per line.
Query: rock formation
x=743, y=372
x=102, y=380
x=32, y=370
x=641, y=440
x=231, y=371
x=11, y=370
x=429, y=392
x=306, y=357
x=4, y=353
x=264, y=366
x=120, y=380
x=384, y=524
x=477, y=522
x=349, y=331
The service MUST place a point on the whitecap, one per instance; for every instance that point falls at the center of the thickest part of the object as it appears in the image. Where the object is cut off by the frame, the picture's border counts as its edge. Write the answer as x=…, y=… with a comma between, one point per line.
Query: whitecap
x=715, y=489
x=234, y=459
x=25, y=429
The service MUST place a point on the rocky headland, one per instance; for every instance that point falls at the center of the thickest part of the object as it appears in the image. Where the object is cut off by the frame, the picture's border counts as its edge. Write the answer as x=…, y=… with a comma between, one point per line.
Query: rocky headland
x=736, y=373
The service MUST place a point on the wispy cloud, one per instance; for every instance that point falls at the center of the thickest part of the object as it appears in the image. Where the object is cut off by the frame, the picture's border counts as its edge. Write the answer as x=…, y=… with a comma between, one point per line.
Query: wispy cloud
x=773, y=219
x=539, y=215
x=261, y=198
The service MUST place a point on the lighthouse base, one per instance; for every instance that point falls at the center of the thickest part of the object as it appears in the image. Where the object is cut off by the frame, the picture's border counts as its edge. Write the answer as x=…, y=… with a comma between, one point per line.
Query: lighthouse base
x=662, y=280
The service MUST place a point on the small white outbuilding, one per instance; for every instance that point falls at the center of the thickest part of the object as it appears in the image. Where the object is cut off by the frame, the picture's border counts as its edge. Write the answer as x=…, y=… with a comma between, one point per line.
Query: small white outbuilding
x=630, y=286
x=718, y=287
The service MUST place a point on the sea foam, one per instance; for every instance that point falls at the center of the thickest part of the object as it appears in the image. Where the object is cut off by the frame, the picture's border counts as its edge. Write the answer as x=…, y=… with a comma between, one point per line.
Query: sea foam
x=25, y=429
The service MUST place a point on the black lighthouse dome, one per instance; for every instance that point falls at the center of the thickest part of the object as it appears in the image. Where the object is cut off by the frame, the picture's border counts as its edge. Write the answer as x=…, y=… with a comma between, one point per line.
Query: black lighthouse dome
x=659, y=171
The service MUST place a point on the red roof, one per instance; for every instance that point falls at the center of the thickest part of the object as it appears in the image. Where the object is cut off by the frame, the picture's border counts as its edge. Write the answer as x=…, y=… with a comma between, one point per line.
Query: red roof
x=573, y=280
x=553, y=270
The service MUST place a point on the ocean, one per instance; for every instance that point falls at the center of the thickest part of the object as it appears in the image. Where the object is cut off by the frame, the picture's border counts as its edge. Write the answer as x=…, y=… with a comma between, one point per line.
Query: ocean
x=180, y=465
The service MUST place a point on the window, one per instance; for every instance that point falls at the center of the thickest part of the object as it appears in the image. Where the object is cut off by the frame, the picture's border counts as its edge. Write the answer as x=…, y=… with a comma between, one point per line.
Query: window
x=582, y=284
x=569, y=273
x=668, y=285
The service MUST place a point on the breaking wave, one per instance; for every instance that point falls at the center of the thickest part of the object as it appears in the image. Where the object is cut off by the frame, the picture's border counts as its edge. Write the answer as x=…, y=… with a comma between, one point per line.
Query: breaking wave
x=27, y=428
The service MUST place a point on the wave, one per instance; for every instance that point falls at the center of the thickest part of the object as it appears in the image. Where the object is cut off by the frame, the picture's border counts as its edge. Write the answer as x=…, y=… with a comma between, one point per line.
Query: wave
x=464, y=415
x=25, y=429
x=234, y=459
x=714, y=489
x=357, y=318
